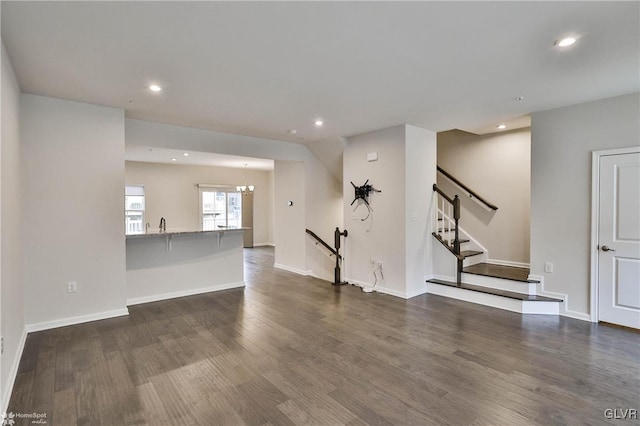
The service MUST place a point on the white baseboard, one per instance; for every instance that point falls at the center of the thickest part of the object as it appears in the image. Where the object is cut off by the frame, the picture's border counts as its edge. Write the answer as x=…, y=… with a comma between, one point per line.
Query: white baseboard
x=46, y=325
x=13, y=373
x=575, y=315
x=362, y=284
x=564, y=306
x=290, y=269
x=418, y=292
x=183, y=293
x=508, y=263
x=325, y=278
x=382, y=289
x=391, y=292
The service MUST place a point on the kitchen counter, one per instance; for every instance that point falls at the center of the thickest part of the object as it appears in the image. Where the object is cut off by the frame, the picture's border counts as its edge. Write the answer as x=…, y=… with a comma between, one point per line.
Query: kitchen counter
x=158, y=233
x=183, y=263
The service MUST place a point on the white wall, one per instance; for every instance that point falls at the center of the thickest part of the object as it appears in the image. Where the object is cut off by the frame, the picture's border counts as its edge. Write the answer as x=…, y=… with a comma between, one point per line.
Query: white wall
x=561, y=144
x=289, y=223
x=323, y=213
x=171, y=192
x=11, y=247
x=398, y=230
x=420, y=175
x=74, y=201
x=322, y=206
x=271, y=207
x=381, y=236
x=496, y=166
x=329, y=153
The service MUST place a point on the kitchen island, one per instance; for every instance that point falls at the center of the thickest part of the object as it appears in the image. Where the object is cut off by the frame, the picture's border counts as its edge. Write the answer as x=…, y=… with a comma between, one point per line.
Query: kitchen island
x=175, y=263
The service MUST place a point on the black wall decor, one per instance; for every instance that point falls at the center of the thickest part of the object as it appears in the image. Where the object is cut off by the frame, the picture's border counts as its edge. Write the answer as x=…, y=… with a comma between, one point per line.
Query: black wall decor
x=362, y=192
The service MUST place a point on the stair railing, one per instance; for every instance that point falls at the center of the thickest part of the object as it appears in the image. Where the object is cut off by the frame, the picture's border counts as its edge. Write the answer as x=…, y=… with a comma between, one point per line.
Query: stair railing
x=447, y=219
x=471, y=193
x=334, y=251
x=323, y=243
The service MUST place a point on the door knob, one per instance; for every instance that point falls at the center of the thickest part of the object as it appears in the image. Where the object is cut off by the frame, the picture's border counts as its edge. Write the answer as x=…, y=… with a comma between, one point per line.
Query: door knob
x=605, y=248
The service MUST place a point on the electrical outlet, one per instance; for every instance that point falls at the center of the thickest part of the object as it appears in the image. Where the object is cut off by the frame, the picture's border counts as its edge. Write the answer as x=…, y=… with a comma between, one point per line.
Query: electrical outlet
x=548, y=267
x=1, y=345
x=72, y=287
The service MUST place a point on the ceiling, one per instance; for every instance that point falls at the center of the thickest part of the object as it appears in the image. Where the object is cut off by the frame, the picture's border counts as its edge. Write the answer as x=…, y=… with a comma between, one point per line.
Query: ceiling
x=263, y=68
x=194, y=158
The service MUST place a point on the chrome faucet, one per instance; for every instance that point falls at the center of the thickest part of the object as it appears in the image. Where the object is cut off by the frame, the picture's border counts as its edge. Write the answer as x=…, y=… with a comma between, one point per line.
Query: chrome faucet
x=163, y=224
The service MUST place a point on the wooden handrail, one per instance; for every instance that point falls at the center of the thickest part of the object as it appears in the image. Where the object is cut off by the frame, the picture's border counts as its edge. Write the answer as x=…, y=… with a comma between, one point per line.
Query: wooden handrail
x=472, y=193
x=321, y=241
x=445, y=196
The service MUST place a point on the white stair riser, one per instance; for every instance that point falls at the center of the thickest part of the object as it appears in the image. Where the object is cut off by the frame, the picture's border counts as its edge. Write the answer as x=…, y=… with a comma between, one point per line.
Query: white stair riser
x=499, y=302
x=474, y=260
x=500, y=284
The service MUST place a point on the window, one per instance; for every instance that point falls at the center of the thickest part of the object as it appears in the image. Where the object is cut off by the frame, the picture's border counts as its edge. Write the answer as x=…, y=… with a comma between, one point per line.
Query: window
x=220, y=207
x=134, y=209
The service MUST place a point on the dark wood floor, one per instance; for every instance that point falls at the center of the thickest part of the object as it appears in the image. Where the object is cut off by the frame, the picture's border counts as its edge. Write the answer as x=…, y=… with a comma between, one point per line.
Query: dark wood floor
x=295, y=350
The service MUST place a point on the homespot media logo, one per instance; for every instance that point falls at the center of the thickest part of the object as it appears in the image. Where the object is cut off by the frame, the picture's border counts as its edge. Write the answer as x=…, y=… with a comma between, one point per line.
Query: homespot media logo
x=9, y=419
x=621, y=413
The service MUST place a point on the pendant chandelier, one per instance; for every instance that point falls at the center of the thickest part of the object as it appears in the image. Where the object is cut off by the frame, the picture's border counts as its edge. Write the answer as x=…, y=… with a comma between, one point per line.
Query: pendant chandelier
x=245, y=188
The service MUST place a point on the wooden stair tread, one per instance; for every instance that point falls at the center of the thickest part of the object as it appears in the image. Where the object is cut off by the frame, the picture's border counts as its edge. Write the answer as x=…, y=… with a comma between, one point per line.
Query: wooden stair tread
x=499, y=271
x=461, y=240
x=496, y=292
x=450, y=247
x=469, y=253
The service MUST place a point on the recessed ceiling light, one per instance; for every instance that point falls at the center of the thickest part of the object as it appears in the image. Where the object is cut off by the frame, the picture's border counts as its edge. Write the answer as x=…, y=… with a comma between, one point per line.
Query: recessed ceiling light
x=565, y=42
x=319, y=123
x=293, y=131
x=173, y=159
x=155, y=88
x=186, y=154
x=502, y=126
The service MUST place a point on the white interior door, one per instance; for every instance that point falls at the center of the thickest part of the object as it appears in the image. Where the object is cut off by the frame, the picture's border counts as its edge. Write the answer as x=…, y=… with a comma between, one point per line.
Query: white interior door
x=619, y=240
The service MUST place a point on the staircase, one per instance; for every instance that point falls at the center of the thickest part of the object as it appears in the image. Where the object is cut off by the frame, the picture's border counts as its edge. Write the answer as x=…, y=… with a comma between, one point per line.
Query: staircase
x=503, y=287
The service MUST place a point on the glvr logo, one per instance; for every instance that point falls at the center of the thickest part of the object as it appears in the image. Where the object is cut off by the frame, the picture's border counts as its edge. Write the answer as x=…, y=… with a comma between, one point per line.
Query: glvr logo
x=621, y=413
